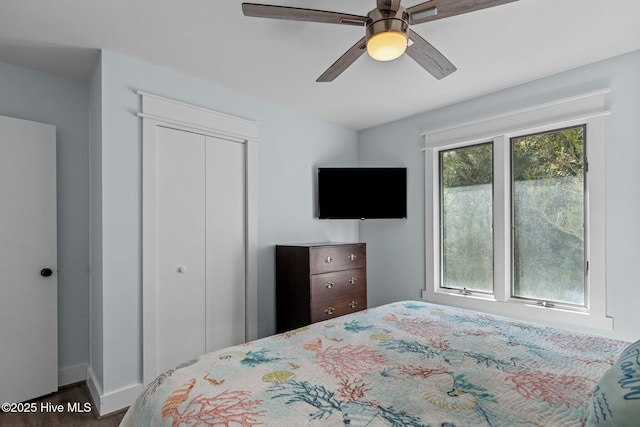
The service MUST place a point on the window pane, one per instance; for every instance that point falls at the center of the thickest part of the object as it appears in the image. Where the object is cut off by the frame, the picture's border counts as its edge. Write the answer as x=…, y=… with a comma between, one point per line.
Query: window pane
x=466, y=191
x=548, y=216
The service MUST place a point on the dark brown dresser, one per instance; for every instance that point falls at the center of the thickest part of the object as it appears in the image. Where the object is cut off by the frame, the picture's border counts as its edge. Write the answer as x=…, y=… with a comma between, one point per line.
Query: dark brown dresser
x=319, y=281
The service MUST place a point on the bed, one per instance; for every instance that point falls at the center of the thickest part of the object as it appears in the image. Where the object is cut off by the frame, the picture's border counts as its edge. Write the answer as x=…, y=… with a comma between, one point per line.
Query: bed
x=403, y=364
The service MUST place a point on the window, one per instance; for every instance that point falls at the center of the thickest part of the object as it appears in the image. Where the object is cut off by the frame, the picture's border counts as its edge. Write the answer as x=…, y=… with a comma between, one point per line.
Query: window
x=466, y=202
x=515, y=220
x=547, y=216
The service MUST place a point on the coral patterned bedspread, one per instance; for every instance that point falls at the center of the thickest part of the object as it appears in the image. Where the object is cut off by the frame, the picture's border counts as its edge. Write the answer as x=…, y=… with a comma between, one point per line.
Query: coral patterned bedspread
x=402, y=364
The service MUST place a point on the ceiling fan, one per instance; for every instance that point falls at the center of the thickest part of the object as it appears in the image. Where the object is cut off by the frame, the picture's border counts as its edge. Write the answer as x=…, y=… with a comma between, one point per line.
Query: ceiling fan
x=388, y=33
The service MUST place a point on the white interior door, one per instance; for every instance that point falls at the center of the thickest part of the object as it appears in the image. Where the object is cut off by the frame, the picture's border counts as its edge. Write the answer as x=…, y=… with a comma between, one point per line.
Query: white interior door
x=28, y=259
x=181, y=239
x=226, y=240
x=199, y=225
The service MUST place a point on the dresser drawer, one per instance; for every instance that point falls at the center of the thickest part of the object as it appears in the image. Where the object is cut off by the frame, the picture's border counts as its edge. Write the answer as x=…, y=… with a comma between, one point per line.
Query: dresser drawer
x=323, y=259
x=345, y=304
x=333, y=285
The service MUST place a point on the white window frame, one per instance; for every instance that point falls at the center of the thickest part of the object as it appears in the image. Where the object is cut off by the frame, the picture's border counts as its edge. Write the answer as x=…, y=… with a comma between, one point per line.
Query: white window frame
x=586, y=109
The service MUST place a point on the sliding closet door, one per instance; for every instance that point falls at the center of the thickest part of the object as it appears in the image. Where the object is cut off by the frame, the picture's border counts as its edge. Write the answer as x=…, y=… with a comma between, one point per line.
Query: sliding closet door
x=226, y=225
x=199, y=284
x=200, y=245
x=181, y=244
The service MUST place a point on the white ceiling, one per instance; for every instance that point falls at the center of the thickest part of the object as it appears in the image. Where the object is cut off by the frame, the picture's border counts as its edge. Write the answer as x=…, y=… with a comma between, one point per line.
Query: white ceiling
x=279, y=61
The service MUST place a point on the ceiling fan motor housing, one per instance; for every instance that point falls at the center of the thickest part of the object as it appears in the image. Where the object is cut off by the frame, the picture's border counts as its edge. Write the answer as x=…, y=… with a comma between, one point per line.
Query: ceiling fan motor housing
x=387, y=20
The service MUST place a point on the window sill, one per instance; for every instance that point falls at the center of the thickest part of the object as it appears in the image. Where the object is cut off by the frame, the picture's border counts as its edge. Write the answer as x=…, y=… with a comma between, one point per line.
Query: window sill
x=551, y=316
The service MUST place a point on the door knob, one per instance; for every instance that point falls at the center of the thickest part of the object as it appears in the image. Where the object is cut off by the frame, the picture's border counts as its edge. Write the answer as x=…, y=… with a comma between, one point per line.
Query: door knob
x=46, y=272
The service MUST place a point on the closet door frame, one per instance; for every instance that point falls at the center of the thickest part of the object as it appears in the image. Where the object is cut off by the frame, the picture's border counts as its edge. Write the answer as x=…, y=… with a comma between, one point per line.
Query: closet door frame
x=160, y=111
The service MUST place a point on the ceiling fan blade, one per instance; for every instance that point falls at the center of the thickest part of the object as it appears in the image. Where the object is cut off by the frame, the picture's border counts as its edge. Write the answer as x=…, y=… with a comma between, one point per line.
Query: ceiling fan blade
x=299, y=14
x=348, y=58
x=429, y=57
x=438, y=9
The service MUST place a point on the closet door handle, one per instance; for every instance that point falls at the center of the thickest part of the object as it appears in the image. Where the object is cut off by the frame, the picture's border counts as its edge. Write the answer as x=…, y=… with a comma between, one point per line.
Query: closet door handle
x=46, y=272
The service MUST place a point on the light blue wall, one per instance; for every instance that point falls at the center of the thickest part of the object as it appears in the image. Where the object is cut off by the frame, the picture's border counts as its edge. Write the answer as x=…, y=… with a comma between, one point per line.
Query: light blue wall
x=291, y=146
x=32, y=95
x=396, y=249
x=96, y=348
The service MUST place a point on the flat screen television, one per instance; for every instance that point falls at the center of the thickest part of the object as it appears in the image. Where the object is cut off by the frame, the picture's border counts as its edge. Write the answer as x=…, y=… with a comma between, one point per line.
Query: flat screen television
x=362, y=193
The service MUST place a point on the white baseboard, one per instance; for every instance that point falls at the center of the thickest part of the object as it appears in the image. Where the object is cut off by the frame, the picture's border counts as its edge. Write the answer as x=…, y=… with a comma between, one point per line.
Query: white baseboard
x=72, y=374
x=94, y=389
x=112, y=401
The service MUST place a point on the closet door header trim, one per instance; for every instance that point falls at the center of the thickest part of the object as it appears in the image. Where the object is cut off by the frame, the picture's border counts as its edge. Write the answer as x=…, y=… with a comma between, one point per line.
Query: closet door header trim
x=197, y=119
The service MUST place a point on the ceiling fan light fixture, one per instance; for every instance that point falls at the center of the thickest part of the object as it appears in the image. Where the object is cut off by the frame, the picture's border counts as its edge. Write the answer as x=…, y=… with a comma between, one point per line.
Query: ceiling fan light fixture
x=387, y=46
x=387, y=33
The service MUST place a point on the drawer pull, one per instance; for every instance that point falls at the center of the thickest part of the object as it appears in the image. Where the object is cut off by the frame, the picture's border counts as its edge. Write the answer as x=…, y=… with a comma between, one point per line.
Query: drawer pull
x=352, y=257
x=353, y=304
x=353, y=280
x=328, y=285
x=329, y=310
x=328, y=260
